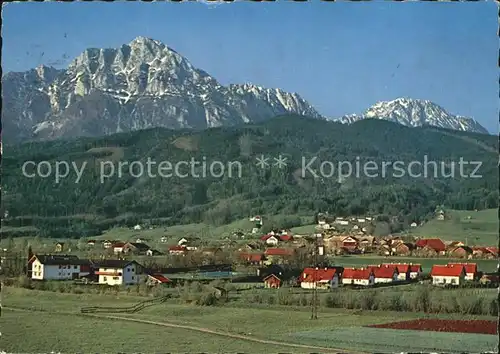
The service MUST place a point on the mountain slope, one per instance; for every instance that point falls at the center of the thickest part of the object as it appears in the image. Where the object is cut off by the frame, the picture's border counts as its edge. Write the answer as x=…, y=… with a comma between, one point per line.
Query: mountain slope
x=140, y=85
x=416, y=113
x=75, y=208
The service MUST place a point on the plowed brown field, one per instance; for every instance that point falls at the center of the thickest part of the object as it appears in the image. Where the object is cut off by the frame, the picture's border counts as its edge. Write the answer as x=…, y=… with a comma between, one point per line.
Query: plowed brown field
x=437, y=325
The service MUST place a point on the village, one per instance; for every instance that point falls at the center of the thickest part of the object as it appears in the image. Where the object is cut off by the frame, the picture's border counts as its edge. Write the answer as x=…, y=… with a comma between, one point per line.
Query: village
x=273, y=260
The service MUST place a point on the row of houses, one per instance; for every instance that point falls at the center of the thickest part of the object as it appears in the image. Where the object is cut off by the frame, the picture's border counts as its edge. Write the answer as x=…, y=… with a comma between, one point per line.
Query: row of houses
x=105, y=272
x=453, y=274
x=390, y=246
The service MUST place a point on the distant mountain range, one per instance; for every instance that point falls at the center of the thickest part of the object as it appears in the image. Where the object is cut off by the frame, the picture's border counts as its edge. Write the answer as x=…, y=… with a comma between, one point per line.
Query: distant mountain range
x=416, y=113
x=146, y=84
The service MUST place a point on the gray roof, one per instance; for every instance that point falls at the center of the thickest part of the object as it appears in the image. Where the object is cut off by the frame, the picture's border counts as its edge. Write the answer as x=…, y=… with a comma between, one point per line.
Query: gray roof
x=49, y=259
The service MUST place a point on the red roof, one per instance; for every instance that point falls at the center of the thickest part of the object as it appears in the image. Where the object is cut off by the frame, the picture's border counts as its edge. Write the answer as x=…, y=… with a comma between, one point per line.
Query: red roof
x=313, y=275
x=446, y=271
x=401, y=267
x=265, y=237
x=405, y=267
x=177, y=248
x=415, y=268
x=435, y=243
x=160, y=278
x=286, y=237
x=118, y=244
x=252, y=257
x=270, y=276
x=383, y=270
x=469, y=267
x=279, y=252
x=361, y=273
x=493, y=250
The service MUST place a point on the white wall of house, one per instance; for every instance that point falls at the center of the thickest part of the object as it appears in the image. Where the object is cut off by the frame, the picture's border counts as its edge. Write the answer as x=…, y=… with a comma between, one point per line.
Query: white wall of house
x=441, y=280
x=414, y=275
x=350, y=281
x=41, y=271
x=404, y=276
x=129, y=275
x=469, y=276
x=383, y=280
x=273, y=241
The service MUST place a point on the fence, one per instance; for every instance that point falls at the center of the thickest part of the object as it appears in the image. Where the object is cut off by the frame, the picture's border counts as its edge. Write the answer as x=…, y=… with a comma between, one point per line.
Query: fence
x=131, y=309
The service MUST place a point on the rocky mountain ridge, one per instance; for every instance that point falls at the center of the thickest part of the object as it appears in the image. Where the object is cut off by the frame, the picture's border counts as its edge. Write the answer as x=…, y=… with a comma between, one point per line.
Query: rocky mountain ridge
x=140, y=85
x=416, y=113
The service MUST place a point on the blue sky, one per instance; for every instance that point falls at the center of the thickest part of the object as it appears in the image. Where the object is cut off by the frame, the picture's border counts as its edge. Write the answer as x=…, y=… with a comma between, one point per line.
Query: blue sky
x=341, y=57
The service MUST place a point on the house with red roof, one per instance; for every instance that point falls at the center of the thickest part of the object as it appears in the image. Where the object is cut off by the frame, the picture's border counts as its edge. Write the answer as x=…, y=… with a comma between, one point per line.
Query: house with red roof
x=277, y=255
x=274, y=239
x=407, y=271
x=386, y=273
x=252, y=258
x=470, y=269
x=157, y=279
x=319, y=278
x=360, y=276
x=485, y=252
x=272, y=281
x=270, y=240
x=177, y=250
x=447, y=275
x=460, y=252
x=432, y=245
x=118, y=247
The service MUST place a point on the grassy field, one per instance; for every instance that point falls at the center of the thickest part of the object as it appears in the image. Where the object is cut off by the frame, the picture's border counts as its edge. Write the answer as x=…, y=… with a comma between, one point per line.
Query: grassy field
x=481, y=229
x=26, y=332
x=46, y=312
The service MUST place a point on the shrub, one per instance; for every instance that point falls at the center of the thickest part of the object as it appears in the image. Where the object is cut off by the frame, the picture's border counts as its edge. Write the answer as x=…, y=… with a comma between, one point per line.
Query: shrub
x=24, y=282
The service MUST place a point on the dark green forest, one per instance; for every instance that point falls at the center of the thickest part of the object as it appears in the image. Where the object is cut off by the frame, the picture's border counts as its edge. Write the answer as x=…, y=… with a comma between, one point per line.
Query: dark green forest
x=87, y=207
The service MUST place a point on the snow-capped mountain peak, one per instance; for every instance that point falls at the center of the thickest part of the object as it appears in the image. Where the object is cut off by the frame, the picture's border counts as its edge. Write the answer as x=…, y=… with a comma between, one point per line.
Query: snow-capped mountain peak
x=414, y=113
x=138, y=85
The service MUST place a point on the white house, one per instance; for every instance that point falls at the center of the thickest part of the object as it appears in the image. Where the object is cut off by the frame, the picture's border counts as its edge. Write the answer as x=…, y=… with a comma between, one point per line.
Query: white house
x=385, y=273
x=406, y=271
x=361, y=276
x=447, y=275
x=164, y=239
x=272, y=241
x=321, y=278
x=137, y=227
x=118, y=247
x=58, y=267
x=119, y=272
x=470, y=270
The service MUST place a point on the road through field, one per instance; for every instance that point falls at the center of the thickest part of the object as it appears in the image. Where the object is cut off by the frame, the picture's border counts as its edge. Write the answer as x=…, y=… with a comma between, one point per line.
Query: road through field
x=203, y=330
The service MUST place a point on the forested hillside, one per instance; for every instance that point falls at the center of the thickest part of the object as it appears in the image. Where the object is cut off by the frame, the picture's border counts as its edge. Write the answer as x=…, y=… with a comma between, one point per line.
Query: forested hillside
x=78, y=209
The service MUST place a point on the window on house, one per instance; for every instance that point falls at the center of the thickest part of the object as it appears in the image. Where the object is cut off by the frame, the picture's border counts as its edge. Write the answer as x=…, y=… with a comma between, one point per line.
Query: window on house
x=116, y=278
x=76, y=267
x=453, y=281
x=133, y=277
x=105, y=278
x=132, y=269
x=128, y=269
x=60, y=266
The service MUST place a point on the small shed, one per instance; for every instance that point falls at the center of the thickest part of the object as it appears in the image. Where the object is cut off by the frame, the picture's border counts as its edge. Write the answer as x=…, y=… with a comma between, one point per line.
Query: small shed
x=272, y=281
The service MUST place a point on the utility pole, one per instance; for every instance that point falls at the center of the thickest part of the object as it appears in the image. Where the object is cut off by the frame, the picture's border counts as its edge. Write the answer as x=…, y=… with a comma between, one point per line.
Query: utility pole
x=314, y=302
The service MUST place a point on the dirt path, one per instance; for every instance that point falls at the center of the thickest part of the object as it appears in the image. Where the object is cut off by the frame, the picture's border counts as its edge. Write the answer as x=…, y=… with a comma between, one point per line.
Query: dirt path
x=224, y=334
x=204, y=330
